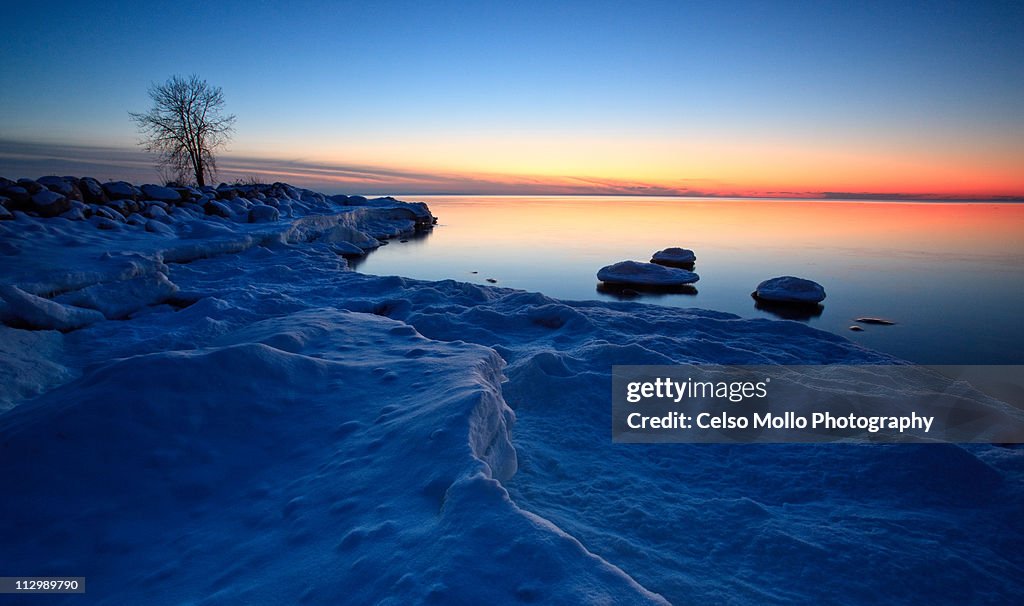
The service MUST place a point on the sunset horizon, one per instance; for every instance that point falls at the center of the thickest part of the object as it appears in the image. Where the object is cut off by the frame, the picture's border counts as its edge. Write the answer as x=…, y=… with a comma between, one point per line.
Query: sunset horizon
x=919, y=102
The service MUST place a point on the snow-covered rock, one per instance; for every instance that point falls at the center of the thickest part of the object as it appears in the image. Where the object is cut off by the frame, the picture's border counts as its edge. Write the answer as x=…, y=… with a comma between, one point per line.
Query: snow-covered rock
x=24, y=309
x=158, y=227
x=217, y=209
x=634, y=273
x=157, y=192
x=92, y=191
x=261, y=213
x=121, y=190
x=61, y=186
x=49, y=203
x=683, y=257
x=789, y=289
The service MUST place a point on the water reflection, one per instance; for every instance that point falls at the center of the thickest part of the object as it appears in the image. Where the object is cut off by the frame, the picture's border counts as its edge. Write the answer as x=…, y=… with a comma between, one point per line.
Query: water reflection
x=949, y=274
x=632, y=292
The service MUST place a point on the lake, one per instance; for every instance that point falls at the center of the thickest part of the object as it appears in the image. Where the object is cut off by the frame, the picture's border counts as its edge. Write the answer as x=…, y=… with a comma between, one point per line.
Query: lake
x=950, y=275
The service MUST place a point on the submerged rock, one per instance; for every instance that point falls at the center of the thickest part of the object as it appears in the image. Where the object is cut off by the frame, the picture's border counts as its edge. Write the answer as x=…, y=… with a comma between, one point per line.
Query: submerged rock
x=789, y=289
x=676, y=257
x=634, y=273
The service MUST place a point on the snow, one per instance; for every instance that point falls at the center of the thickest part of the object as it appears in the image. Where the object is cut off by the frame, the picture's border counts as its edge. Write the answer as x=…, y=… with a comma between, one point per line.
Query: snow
x=24, y=309
x=674, y=256
x=261, y=424
x=633, y=273
x=788, y=289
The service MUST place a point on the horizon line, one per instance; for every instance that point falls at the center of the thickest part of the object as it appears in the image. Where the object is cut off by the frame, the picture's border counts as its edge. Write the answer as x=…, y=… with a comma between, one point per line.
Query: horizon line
x=129, y=164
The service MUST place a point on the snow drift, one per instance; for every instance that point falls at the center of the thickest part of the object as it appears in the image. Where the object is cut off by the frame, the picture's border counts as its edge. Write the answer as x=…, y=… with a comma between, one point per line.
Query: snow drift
x=276, y=428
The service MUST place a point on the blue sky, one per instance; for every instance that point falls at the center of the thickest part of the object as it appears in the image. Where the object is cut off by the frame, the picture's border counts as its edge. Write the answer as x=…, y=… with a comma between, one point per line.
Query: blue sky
x=634, y=93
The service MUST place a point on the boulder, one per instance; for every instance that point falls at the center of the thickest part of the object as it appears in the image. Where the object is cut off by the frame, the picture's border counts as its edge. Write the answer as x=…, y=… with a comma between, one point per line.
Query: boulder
x=674, y=257
x=157, y=192
x=634, y=273
x=789, y=289
x=17, y=195
x=62, y=186
x=262, y=213
x=49, y=204
x=92, y=191
x=156, y=227
x=121, y=190
x=31, y=186
x=217, y=209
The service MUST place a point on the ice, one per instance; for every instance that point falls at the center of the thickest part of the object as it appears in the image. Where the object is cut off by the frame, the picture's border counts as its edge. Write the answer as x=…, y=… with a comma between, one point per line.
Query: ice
x=634, y=273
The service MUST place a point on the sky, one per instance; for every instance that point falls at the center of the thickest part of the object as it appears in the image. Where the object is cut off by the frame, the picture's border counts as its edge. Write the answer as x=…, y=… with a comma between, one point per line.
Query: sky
x=702, y=98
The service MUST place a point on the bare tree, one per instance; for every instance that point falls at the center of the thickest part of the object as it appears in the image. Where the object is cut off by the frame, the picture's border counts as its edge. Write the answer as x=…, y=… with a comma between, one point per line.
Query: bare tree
x=185, y=127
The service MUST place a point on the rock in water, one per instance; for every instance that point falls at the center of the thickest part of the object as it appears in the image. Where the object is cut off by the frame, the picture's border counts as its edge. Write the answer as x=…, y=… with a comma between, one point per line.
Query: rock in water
x=856, y=328
x=788, y=289
x=678, y=257
x=879, y=321
x=634, y=273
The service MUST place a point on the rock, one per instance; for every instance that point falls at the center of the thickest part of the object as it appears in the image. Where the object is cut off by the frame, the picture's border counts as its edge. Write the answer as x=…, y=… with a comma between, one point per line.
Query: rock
x=856, y=328
x=5, y=215
x=62, y=186
x=788, y=289
x=164, y=194
x=878, y=321
x=156, y=212
x=121, y=190
x=674, y=257
x=75, y=214
x=18, y=196
x=92, y=191
x=49, y=204
x=262, y=213
x=217, y=209
x=491, y=280
x=43, y=314
x=122, y=207
x=105, y=223
x=156, y=227
x=32, y=187
x=634, y=273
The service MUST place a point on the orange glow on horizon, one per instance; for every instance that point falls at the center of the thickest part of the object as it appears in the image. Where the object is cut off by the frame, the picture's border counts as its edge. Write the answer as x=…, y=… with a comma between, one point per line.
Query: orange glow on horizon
x=499, y=163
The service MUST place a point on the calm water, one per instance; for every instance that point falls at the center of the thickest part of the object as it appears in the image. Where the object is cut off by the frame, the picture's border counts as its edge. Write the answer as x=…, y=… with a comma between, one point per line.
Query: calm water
x=950, y=275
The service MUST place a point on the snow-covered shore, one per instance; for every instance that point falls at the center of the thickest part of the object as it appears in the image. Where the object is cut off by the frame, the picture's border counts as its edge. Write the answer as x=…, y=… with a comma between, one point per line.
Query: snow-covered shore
x=239, y=418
